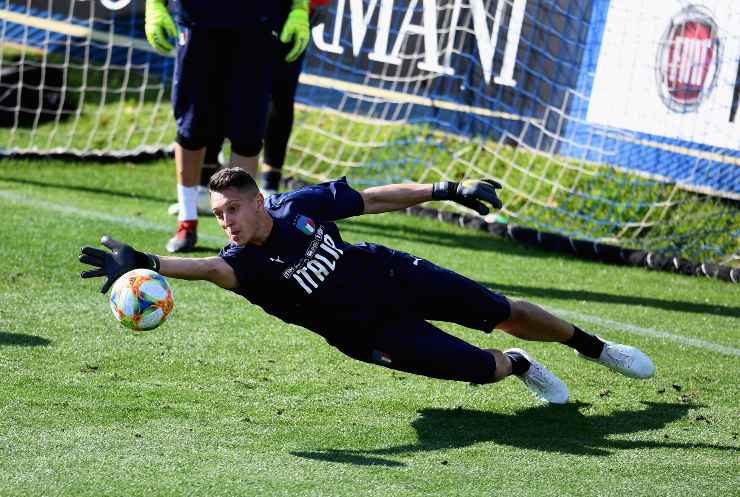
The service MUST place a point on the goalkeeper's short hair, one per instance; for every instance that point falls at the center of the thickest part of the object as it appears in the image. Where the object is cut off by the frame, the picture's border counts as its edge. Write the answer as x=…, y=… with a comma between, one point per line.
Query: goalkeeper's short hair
x=232, y=177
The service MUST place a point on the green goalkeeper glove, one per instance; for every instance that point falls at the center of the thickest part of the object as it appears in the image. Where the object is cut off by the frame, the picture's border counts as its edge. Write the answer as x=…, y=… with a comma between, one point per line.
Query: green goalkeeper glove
x=469, y=193
x=296, y=28
x=120, y=260
x=159, y=26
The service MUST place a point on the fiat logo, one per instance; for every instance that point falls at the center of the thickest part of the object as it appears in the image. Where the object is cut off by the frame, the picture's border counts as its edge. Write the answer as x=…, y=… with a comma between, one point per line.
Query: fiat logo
x=688, y=58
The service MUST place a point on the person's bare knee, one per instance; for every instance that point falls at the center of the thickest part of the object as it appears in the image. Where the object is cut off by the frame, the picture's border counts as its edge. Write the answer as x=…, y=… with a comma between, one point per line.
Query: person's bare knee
x=531, y=322
x=520, y=310
x=249, y=163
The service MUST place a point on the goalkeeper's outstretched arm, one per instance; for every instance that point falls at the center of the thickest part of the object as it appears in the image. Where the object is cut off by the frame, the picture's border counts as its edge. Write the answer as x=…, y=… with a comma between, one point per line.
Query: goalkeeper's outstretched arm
x=470, y=193
x=395, y=197
x=213, y=269
x=122, y=258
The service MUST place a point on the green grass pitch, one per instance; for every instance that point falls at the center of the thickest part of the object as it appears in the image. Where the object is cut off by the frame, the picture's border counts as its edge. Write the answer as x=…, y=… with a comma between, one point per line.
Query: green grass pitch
x=224, y=400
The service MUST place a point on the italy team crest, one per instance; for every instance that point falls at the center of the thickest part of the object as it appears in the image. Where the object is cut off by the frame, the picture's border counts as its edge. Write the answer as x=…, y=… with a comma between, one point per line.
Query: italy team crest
x=305, y=224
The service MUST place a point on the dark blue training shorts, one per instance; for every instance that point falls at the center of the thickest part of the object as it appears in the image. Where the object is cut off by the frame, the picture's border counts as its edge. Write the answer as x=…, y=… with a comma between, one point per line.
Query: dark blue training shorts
x=401, y=338
x=427, y=291
x=221, y=86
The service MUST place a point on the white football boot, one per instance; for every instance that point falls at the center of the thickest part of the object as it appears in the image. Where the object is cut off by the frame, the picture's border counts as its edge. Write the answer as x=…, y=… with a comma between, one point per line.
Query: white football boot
x=624, y=359
x=541, y=382
x=204, y=203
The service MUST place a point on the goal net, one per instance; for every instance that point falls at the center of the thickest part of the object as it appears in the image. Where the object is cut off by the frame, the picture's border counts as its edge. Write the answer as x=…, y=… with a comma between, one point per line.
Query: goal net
x=612, y=121
x=78, y=78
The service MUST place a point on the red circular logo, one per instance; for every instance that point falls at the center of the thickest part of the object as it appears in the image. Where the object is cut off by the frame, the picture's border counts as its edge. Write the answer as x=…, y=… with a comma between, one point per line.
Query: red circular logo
x=688, y=59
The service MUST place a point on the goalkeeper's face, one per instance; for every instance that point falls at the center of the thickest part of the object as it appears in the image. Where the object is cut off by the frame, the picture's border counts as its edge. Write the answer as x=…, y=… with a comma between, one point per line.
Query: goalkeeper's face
x=240, y=214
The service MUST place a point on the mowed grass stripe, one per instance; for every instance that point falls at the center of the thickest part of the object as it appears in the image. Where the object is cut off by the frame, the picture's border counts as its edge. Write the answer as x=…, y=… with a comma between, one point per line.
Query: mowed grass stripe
x=639, y=330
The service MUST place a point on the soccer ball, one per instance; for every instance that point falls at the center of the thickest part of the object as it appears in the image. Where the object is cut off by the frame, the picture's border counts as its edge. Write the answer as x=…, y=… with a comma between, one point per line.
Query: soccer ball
x=141, y=299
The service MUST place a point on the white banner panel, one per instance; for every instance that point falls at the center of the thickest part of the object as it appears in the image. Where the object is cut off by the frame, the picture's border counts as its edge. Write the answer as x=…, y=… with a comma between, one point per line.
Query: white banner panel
x=669, y=68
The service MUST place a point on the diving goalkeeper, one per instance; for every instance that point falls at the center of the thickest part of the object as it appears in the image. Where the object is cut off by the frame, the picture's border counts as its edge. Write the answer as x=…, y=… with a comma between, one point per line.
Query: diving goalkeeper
x=372, y=302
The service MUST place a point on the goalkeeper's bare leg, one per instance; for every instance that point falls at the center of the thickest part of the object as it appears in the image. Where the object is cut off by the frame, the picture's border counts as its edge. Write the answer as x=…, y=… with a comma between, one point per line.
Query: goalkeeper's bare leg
x=248, y=163
x=531, y=322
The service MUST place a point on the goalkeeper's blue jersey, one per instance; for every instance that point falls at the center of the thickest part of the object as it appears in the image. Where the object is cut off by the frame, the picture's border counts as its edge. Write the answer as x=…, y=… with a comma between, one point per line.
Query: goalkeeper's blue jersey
x=305, y=273
x=228, y=13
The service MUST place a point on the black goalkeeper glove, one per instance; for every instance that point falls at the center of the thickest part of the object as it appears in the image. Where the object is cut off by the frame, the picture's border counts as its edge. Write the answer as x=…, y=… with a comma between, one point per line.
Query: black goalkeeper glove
x=120, y=260
x=469, y=193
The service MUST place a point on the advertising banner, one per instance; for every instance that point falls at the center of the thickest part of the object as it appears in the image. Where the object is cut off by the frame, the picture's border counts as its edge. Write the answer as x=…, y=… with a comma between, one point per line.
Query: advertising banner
x=670, y=68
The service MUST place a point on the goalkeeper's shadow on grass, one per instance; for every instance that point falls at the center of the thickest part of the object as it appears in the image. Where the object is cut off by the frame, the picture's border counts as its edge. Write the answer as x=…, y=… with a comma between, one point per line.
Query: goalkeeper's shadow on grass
x=21, y=340
x=559, y=429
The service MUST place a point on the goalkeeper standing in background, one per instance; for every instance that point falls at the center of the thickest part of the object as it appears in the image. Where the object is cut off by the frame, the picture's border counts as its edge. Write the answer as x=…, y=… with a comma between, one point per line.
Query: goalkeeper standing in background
x=371, y=302
x=279, y=123
x=280, y=113
x=226, y=53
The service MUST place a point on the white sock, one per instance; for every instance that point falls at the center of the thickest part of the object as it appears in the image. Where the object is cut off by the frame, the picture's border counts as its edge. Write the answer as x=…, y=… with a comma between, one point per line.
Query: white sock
x=187, y=198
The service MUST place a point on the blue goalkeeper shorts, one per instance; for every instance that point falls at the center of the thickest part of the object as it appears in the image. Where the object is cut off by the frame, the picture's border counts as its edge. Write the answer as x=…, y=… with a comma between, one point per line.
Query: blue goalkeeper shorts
x=400, y=337
x=222, y=84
